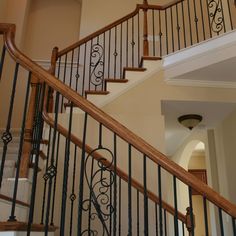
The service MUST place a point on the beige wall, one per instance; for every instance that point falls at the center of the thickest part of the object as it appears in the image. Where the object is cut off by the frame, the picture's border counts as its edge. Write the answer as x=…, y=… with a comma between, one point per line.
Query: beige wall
x=225, y=138
x=51, y=23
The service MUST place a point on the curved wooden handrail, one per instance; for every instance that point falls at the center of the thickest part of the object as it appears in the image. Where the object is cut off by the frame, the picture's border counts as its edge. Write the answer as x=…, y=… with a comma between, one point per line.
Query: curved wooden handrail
x=117, y=22
x=123, y=132
x=135, y=184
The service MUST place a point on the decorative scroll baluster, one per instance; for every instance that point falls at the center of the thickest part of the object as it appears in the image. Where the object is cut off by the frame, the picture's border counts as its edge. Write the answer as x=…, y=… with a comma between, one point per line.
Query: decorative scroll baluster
x=216, y=16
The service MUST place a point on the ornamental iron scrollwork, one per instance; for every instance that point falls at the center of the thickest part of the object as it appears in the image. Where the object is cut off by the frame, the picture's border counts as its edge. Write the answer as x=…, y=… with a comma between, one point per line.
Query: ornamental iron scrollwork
x=99, y=179
x=216, y=15
x=97, y=65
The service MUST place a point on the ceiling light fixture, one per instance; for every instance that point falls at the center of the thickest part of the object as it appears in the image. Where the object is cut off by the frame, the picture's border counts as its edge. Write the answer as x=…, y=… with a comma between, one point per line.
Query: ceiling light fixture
x=190, y=121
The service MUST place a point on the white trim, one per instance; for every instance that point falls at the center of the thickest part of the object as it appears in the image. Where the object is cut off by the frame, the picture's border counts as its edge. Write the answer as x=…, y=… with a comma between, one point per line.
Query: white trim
x=201, y=55
x=201, y=83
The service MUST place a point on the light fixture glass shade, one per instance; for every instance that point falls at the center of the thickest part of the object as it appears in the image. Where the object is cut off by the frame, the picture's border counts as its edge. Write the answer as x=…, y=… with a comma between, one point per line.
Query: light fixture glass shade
x=190, y=121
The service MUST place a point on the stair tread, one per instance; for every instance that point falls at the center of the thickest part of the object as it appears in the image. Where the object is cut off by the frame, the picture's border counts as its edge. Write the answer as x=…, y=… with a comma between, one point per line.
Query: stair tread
x=116, y=80
x=91, y=92
x=135, y=69
x=151, y=58
x=22, y=226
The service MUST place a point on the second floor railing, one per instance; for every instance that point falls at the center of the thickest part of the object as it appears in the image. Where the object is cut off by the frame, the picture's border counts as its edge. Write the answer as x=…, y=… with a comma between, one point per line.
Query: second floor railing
x=150, y=30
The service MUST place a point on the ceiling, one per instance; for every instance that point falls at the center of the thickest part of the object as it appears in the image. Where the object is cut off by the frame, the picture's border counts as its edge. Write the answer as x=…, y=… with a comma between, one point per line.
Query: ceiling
x=212, y=112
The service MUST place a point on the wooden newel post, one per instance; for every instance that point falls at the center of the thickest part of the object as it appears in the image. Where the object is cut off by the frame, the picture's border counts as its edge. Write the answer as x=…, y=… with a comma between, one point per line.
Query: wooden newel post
x=189, y=225
x=145, y=29
x=52, y=71
x=27, y=145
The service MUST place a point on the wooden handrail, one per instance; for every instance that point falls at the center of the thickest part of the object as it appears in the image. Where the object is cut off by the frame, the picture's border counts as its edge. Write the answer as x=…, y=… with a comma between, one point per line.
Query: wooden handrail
x=117, y=22
x=106, y=163
x=124, y=133
x=9, y=199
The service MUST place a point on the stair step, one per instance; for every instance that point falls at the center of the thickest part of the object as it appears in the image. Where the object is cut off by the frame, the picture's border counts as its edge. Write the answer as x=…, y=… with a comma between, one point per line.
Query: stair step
x=133, y=69
x=147, y=58
x=22, y=226
x=116, y=80
x=94, y=92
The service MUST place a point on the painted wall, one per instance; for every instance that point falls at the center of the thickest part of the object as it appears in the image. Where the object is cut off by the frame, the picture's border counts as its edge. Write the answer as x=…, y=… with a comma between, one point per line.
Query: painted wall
x=51, y=23
x=226, y=143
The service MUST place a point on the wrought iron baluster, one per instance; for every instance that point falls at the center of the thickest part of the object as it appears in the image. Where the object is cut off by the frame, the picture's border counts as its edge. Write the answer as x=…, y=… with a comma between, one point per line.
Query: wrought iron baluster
x=81, y=185
x=77, y=75
x=183, y=19
x=165, y=223
x=145, y=195
x=64, y=81
x=127, y=42
x=176, y=226
x=160, y=33
x=132, y=43
x=84, y=70
x=55, y=180
x=234, y=225
x=90, y=197
x=153, y=33
x=71, y=67
x=115, y=186
x=90, y=64
x=72, y=195
x=172, y=29
x=45, y=179
x=156, y=219
x=109, y=53
x=139, y=57
x=196, y=20
x=129, y=191
x=167, y=40
x=7, y=136
x=37, y=136
x=230, y=15
x=2, y=60
x=190, y=25
x=160, y=201
x=178, y=26
x=12, y=216
x=65, y=174
x=203, y=25
x=183, y=229
x=121, y=50
x=138, y=221
x=115, y=53
x=205, y=216
x=120, y=208
x=191, y=210
x=221, y=222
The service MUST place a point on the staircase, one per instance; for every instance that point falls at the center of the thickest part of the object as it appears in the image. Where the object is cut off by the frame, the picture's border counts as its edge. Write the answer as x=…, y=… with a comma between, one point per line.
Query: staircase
x=90, y=174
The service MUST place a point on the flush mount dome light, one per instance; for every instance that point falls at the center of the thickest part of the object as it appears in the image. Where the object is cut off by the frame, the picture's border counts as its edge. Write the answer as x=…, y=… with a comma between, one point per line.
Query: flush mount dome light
x=190, y=121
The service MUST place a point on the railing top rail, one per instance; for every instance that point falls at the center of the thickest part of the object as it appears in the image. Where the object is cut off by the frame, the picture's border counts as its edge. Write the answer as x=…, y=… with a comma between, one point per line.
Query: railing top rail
x=124, y=133
x=117, y=22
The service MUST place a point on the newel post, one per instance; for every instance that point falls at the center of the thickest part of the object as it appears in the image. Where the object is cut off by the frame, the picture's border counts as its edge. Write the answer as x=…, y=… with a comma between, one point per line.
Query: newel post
x=27, y=145
x=145, y=29
x=52, y=71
